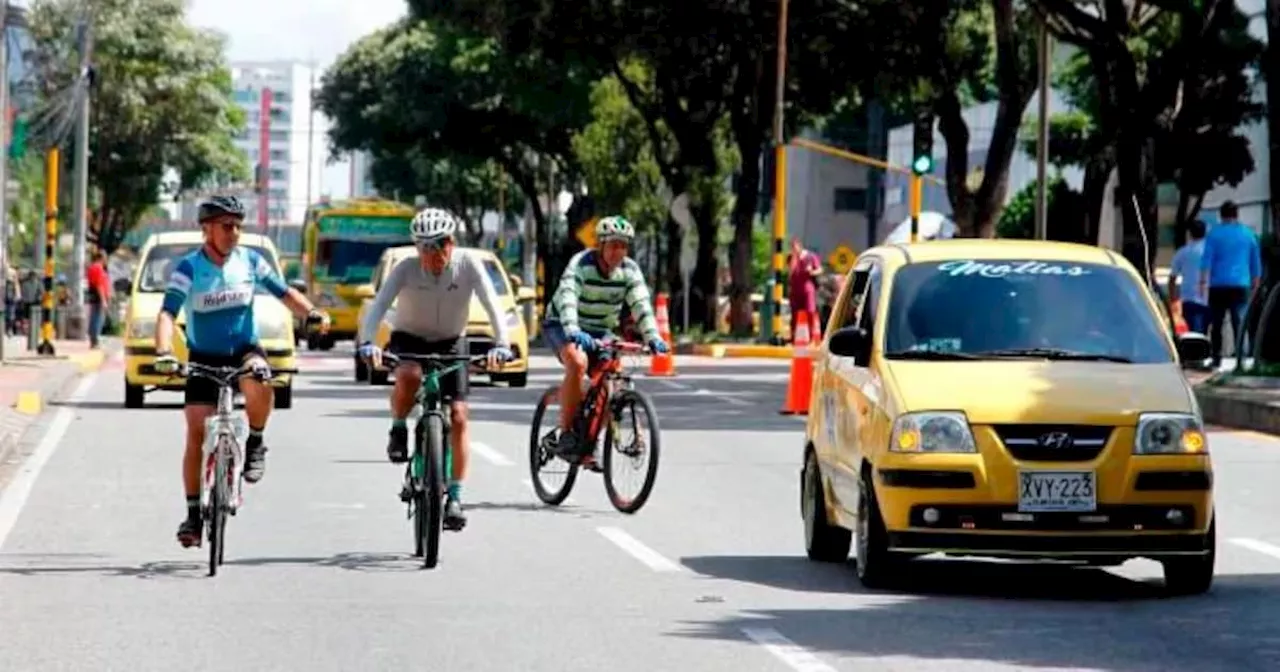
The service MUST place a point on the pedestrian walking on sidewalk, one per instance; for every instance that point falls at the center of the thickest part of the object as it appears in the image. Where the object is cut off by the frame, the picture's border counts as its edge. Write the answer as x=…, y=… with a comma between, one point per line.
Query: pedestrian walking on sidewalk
x=1230, y=271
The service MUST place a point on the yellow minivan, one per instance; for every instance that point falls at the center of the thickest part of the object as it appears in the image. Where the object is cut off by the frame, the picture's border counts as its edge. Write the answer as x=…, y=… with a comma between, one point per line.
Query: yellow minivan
x=1013, y=399
x=479, y=332
x=275, y=322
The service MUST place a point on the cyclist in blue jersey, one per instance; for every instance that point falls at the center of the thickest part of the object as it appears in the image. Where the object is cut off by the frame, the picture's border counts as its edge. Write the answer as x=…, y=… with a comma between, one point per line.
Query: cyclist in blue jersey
x=217, y=285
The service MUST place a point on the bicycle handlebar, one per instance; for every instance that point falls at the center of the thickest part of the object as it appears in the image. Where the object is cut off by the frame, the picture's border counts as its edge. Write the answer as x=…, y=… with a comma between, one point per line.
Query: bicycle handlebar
x=393, y=358
x=223, y=375
x=619, y=345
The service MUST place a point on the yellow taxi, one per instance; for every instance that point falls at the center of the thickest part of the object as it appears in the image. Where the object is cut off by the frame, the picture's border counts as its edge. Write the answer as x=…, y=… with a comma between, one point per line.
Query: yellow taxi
x=1013, y=399
x=479, y=332
x=275, y=322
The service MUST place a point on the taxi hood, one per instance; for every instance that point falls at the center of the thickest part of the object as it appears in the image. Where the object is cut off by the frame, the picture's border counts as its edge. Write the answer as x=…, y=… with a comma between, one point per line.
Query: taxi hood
x=1038, y=391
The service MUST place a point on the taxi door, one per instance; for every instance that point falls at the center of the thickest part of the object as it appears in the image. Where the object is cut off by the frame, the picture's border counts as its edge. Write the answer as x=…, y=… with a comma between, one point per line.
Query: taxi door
x=836, y=437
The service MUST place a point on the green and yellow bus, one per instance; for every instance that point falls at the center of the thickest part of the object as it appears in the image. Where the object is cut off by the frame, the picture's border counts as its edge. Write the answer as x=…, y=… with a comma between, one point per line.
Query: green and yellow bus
x=342, y=242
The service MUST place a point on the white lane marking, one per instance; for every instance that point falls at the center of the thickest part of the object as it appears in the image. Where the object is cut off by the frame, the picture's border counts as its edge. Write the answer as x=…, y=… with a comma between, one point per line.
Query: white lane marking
x=14, y=497
x=786, y=650
x=673, y=384
x=1259, y=546
x=651, y=558
x=726, y=397
x=488, y=453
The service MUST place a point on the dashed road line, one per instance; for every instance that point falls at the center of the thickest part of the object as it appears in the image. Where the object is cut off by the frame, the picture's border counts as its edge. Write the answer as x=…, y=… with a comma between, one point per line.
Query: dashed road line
x=787, y=651
x=636, y=549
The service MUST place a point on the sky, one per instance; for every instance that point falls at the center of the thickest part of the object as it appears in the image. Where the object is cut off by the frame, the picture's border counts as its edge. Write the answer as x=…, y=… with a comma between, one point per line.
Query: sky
x=305, y=30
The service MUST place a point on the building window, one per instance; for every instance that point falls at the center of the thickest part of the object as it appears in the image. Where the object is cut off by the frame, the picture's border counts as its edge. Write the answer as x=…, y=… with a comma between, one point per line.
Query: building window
x=279, y=155
x=850, y=199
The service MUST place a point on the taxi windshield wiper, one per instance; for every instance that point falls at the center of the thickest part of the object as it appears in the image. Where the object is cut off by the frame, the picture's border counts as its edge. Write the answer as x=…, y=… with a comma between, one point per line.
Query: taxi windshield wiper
x=1055, y=353
x=934, y=355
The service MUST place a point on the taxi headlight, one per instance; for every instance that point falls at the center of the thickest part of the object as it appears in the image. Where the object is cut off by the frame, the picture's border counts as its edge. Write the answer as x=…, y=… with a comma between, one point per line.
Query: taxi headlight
x=1169, y=434
x=513, y=319
x=142, y=327
x=932, y=432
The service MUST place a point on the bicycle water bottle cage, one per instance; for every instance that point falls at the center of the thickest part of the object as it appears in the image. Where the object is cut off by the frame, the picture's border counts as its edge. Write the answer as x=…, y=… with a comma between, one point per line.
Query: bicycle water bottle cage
x=215, y=425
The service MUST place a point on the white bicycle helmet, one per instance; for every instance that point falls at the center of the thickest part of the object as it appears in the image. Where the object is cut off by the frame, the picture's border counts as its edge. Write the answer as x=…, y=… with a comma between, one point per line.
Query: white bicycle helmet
x=614, y=227
x=432, y=224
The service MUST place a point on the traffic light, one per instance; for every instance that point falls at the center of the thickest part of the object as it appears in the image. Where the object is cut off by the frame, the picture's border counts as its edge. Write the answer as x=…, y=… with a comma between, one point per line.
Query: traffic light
x=922, y=144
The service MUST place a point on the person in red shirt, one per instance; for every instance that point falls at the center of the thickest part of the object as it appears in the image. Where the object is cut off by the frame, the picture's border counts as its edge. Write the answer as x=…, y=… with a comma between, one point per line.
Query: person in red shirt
x=806, y=267
x=97, y=295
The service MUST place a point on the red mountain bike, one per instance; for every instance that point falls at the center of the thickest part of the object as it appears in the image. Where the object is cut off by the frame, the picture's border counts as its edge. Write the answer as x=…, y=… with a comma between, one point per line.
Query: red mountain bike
x=611, y=400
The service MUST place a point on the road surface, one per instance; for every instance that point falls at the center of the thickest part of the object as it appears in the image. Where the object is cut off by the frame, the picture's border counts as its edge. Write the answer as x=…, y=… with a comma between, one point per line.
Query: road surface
x=711, y=575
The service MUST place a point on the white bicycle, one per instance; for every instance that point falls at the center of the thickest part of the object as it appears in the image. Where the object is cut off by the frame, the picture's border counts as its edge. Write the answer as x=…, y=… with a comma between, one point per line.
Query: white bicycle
x=225, y=433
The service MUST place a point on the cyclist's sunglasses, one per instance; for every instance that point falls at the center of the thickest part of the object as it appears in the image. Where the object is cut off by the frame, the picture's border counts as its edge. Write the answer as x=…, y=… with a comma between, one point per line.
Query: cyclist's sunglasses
x=227, y=224
x=431, y=246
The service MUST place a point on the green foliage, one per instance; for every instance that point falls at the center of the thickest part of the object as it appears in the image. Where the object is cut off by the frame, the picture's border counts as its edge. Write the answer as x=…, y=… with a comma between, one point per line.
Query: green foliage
x=1064, y=204
x=465, y=185
x=416, y=94
x=161, y=99
x=616, y=157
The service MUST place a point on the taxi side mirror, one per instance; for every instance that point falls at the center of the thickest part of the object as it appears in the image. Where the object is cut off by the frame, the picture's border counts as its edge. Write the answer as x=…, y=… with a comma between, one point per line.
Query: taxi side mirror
x=1193, y=347
x=525, y=295
x=852, y=342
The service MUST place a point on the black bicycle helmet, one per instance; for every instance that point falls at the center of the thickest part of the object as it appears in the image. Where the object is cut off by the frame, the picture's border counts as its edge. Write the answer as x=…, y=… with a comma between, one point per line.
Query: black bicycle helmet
x=216, y=206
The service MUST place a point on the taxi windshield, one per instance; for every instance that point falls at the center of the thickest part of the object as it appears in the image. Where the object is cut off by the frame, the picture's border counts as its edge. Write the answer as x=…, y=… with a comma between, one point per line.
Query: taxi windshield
x=996, y=309
x=155, y=270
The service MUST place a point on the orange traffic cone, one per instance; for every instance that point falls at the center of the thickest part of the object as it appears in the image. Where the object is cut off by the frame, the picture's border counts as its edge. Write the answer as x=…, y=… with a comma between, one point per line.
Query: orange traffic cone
x=663, y=364
x=798, y=387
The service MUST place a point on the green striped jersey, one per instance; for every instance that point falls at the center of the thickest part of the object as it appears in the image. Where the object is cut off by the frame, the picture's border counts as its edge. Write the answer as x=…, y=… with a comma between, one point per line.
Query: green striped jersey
x=592, y=302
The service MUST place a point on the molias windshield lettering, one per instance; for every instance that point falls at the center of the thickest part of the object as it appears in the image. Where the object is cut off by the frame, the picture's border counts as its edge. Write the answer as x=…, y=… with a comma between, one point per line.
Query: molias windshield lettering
x=988, y=269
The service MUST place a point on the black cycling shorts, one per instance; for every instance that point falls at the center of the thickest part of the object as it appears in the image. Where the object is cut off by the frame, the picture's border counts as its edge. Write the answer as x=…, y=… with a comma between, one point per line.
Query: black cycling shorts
x=204, y=392
x=452, y=386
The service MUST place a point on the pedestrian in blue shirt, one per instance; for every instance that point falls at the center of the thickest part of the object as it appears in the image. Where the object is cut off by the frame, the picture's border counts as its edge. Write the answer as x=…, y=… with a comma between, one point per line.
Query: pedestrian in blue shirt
x=1230, y=270
x=1184, y=280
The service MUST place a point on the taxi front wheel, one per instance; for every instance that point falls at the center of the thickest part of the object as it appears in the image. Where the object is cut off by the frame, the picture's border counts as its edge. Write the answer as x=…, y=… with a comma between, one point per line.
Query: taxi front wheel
x=1192, y=575
x=877, y=565
x=823, y=541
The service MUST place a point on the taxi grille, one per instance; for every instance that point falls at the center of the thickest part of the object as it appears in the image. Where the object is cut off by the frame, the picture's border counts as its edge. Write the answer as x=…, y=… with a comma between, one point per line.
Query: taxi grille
x=1053, y=443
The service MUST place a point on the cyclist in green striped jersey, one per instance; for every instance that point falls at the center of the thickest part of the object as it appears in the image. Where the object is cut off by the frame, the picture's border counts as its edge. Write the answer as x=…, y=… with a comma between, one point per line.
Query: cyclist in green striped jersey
x=586, y=308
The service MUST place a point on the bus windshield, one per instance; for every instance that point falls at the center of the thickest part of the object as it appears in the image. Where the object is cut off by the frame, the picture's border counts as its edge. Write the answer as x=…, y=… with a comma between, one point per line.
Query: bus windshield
x=348, y=261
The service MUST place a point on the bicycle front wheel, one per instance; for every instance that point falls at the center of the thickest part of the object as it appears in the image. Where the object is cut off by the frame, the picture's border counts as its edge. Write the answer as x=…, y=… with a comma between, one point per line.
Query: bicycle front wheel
x=220, y=494
x=543, y=462
x=631, y=410
x=430, y=506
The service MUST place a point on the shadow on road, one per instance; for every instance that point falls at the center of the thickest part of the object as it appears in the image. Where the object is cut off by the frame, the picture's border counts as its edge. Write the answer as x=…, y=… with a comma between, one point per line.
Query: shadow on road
x=87, y=404
x=983, y=611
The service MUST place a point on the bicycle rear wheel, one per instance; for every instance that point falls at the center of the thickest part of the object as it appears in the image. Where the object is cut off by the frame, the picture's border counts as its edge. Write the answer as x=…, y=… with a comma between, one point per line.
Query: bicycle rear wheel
x=541, y=456
x=218, y=498
x=642, y=414
x=430, y=506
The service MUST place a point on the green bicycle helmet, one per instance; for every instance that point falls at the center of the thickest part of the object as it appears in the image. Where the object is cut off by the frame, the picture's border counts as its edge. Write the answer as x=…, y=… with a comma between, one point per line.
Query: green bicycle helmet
x=614, y=227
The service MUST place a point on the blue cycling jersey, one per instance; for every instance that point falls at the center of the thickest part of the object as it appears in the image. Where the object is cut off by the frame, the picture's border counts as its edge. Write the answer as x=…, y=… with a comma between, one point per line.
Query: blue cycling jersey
x=219, y=300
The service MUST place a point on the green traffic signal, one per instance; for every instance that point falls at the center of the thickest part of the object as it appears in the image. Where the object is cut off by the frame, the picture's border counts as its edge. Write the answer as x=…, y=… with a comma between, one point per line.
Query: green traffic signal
x=922, y=165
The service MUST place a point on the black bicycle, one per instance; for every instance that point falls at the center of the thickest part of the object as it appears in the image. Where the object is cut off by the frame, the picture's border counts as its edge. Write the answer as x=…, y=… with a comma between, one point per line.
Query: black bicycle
x=224, y=435
x=424, y=477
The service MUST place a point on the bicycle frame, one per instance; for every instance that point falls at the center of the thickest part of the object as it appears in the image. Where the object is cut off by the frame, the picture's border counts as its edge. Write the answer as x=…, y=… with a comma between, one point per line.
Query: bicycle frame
x=224, y=435
x=604, y=378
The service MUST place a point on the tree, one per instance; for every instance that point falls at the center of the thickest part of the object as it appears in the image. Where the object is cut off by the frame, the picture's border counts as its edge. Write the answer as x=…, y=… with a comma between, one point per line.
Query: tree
x=161, y=100
x=1201, y=149
x=464, y=185
x=986, y=54
x=616, y=158
x=1150, y=62
x=429, y=90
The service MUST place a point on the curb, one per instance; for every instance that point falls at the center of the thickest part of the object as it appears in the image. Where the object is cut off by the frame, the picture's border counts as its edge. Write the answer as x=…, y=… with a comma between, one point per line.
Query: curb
x=30, y=404
x=1236, y=408
x=737, y=350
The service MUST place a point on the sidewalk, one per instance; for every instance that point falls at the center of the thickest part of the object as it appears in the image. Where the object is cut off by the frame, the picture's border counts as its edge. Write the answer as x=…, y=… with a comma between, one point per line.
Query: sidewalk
x=29, y=381
x=1240, y=402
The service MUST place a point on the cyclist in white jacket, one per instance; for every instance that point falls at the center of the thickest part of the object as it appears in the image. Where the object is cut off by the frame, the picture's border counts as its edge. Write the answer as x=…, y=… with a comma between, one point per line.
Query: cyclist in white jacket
x=433, y=298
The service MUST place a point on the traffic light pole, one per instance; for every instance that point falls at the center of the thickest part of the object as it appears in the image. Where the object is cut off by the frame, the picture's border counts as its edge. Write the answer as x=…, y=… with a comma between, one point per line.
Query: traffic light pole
x=772, y=319
x=914, y=204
